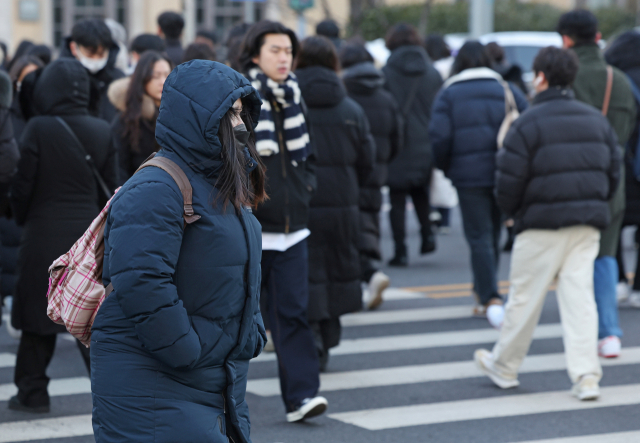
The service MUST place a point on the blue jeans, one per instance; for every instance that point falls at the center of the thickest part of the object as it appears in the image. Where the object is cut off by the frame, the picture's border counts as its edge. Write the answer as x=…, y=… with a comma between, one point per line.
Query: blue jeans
x=605, y=278
x=481, y=221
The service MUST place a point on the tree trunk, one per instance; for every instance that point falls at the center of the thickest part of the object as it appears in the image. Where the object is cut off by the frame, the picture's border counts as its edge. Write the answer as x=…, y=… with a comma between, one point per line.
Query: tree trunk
x=325, y=8
x=356, y=16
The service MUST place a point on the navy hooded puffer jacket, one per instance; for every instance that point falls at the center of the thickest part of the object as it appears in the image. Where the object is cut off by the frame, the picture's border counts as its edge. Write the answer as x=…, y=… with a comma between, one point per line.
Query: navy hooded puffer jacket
x=171, y=345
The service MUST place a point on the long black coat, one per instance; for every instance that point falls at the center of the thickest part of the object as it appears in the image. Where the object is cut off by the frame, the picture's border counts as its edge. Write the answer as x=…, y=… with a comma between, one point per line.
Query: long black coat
x=406, y=65
x=365, y=85
x=345, y=154
x=54, y=194
x=559, y=166
x=624, y=54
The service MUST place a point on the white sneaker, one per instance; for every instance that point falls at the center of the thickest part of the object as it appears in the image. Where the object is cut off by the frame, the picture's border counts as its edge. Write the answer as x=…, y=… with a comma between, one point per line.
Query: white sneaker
x=269, y=346
x=622, y=291
x=634, y=299
x=609, y=347
x=373, y=294
x=310, y=407
x=484, y=362
x=495, y=315
x=586, y=388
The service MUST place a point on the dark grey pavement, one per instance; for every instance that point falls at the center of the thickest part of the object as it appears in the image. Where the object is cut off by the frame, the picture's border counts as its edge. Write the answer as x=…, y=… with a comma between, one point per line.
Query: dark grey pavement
x=442, y=272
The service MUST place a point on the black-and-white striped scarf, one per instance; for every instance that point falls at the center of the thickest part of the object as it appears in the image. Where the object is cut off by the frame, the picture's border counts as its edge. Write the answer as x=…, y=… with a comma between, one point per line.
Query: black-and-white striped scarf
x=287, y=95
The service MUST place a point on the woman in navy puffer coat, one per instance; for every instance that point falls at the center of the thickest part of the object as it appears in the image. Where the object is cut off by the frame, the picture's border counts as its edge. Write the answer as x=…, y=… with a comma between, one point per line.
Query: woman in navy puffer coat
x=466, y=117
x=171, y=345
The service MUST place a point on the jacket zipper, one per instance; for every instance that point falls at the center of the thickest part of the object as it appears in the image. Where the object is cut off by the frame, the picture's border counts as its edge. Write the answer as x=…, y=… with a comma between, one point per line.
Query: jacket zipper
x=287, y=217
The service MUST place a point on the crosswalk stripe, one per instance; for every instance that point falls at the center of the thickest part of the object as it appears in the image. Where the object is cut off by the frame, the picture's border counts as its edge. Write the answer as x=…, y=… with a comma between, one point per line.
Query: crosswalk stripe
x=423, y=341
x=615, y=437
x=484, y=408
x=57, y=387
x=7, y=360
x=405, y=315
x=404, y=375
x=72, y=426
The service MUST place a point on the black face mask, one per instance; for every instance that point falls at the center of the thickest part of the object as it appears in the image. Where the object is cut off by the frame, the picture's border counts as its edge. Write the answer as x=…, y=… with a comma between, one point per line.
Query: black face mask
x=241, y=134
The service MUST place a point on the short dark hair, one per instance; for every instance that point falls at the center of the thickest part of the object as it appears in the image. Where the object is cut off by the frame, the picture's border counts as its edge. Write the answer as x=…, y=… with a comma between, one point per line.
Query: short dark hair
x=353, y=54
x=147, y=42
x=559, y=66
x=472, y=55
x=437, y=48
x=171, y=24
x=317, y=51
x=402, y=34
x=234, y=45
x=42, y=52
x=495, y=52
x=198, y=51
x=580, y=25
x=92, y=34
x=254, y=39
x=328, y=28
x=209, y=35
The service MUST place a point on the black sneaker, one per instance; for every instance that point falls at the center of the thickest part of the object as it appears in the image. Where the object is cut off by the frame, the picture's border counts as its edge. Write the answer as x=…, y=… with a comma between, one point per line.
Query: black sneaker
x=400, y=260
x=428, y=243
x=16, y=405
x=310, y=407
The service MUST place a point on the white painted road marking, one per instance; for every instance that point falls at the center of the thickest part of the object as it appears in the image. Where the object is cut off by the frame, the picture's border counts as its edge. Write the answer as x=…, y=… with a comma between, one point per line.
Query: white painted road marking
x=484, y=408
x=7, y=360
x=405, y=315
x=423, y=341
x=616, y=437
x=72, y=426
x=403, y=375
x=57, y=387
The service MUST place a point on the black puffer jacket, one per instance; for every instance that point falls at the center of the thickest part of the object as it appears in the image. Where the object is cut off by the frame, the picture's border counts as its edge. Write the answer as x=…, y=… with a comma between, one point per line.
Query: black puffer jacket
x=365, y=85
x=54, y=194
x=345, y=154
x=99, y=104
x=624, y=54
x=559, y=166
x=406, y=66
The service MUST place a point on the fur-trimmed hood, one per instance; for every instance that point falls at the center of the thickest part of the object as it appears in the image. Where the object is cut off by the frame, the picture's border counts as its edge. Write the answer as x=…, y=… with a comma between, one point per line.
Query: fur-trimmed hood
x=117, y=94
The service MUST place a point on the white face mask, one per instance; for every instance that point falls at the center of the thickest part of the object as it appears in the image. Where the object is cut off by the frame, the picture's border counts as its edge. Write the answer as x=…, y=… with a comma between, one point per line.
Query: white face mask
x=93, y=65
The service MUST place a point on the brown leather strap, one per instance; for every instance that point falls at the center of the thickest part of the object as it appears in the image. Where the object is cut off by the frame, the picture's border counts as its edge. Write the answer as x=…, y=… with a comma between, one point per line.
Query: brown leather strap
x=607, y=92
x=108, y=290
x=181, y=180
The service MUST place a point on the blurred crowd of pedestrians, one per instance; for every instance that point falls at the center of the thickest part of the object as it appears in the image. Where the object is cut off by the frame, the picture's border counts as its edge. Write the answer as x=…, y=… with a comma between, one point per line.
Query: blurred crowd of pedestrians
x=302, y=137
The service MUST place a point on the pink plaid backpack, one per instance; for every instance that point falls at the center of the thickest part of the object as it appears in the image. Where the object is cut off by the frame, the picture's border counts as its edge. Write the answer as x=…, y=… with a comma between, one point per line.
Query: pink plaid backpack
x=75, y=279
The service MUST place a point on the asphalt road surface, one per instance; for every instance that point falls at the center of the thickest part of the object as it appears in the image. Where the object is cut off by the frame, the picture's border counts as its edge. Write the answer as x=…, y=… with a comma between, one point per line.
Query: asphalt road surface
x=401, y=374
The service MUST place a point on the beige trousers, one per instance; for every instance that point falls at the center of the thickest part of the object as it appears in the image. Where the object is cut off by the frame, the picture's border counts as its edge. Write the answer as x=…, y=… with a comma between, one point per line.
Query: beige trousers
x=538, y=257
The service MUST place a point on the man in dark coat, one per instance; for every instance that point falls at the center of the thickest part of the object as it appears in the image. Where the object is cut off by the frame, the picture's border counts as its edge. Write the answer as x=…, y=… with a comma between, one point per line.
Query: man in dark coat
x=413, y=82
x=55, y=196
x=364, y=84
x=579, y=31
x=624, y=54
x=91, y=43
x=345, y=154
x=184, y=318
x=556, y=172
x=170, y=26
x=268, y=52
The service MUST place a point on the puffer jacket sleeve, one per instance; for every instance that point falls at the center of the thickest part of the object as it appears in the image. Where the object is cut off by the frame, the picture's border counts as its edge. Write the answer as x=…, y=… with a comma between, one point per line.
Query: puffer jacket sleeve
x=397, y=133
x=144, y=240
x=615, y=166
x=512, y=171
x=9, y=153
x=366, y=147
x=25, y=178
x=441, y=130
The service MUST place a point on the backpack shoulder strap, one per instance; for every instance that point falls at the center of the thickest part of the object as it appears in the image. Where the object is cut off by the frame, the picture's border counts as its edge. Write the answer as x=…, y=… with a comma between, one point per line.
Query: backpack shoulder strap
x=607, y=91
x=178, y=175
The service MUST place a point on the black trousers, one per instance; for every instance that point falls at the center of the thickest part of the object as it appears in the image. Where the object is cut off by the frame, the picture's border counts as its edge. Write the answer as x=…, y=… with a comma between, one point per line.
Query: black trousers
x=622, y=276
x=30, y=376
x=398, y=198
x=285, y=282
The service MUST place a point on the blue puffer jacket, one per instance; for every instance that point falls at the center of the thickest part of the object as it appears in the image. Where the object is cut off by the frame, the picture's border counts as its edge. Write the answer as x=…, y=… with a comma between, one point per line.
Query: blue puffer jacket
x=171, y=345
x=466, y=117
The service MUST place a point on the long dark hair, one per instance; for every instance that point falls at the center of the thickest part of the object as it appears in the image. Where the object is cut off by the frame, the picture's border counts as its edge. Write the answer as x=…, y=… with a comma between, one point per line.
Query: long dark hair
x=473, y=54
x=233, y=184
x=132, y=114
x=254, y=39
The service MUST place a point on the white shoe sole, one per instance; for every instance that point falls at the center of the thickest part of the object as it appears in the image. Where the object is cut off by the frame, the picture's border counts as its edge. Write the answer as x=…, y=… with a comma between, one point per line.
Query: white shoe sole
x=588, y=395
x=316, y=406
x=499, y=381
x=381, y=283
